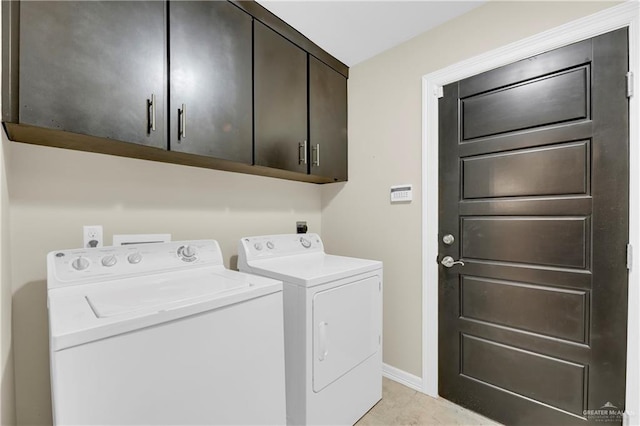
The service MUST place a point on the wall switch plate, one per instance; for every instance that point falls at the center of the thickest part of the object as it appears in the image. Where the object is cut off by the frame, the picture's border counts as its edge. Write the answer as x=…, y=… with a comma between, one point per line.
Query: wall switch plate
x=401, y=193
x=92, y=236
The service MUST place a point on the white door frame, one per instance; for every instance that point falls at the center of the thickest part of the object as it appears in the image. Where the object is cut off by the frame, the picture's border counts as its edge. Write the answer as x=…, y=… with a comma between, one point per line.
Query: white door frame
x=624, y=15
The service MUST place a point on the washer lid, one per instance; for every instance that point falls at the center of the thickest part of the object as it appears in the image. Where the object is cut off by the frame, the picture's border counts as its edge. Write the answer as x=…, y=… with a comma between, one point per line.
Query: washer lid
x=80, y=314
x=153, y=293
x=312, y=269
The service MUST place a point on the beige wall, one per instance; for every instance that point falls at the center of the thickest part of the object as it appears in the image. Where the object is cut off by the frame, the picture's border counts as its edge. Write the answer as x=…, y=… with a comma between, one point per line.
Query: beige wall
x=7, y=403
x=54, y=192
x=385, y=149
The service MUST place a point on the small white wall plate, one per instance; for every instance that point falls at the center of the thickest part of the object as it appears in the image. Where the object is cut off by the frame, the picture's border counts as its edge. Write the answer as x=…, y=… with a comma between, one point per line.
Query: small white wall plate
x=401, y=193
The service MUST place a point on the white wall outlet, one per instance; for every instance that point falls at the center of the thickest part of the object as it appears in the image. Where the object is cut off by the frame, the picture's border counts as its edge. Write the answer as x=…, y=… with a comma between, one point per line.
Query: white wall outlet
x=92, y=236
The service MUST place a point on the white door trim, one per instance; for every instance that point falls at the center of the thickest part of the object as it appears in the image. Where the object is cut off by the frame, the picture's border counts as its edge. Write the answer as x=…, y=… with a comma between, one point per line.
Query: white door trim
x=624, y=15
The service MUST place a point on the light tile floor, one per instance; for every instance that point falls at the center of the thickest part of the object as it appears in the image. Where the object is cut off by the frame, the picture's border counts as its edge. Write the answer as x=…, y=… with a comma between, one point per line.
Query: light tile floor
x=401, y=405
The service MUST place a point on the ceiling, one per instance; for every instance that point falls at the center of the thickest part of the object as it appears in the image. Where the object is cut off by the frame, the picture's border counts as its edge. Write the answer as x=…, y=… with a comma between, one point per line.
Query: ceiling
x=356, y=30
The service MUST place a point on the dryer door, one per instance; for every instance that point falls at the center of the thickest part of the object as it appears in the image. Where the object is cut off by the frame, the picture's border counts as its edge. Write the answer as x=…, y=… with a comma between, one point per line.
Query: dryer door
x=346, y=329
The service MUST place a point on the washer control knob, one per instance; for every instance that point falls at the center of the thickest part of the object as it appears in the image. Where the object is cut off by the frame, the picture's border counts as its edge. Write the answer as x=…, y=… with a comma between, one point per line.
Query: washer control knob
x=258, y=246
x=80, y=263
x=109, y=260
x=270, y=245
x=187, y=253
x=305, y=242
x=134, y=258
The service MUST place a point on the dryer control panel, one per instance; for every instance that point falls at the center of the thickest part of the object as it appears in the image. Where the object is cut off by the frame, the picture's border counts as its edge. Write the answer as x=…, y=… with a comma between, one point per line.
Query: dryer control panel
x=271, y=246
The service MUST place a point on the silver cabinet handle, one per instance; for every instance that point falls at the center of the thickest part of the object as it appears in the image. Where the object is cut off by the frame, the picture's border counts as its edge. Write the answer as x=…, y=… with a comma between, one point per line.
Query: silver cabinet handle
x=302, y=159
x=316, y=156
x=151, y=105
x=182, y=131
x=448, y=262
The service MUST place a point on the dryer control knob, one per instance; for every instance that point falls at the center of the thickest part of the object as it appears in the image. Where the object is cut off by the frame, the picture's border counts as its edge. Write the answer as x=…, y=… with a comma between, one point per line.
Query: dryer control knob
x=270, y=245
x=134, y=258
x=80, y=263
x=258, y=246
x=187, y=253
x=305, y=243
x=109, y=260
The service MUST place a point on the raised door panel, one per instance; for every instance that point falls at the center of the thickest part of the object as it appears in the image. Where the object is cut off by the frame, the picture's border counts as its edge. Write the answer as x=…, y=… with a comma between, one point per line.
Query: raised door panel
x=550, y=170
x=327, y=121
x=92, y=67
x=210, y=76
x=280, y=101
x=529, y=374
x=558, y=98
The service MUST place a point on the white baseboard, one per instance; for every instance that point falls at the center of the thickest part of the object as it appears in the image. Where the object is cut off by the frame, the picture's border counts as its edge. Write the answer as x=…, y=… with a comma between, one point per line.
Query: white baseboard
x=402, y=377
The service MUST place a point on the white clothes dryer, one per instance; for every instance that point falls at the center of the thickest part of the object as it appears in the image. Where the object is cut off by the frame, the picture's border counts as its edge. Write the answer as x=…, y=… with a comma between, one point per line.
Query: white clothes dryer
x=333, y=326
x=162, y=333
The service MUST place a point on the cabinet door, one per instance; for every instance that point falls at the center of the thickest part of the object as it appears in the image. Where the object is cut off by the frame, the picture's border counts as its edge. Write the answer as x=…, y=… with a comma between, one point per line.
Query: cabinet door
x=327, y=121
x=280, y=85
x=92, y=67
x=210, y=74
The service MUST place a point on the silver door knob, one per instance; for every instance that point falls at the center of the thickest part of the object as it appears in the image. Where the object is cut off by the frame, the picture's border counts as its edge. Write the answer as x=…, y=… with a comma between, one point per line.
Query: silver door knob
x=448, y=262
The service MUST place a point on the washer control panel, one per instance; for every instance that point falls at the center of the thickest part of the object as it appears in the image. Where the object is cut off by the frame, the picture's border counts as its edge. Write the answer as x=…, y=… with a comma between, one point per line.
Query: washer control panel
x=270, y=246
x=72, y=267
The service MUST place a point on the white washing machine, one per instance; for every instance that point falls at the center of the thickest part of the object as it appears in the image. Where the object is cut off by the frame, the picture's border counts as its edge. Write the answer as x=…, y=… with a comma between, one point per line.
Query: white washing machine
x=333, y=326
x=162, y=333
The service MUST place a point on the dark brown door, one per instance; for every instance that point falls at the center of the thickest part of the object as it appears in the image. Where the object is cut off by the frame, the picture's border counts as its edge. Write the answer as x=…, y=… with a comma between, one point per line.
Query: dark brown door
x=280, y=101
x=534, y=191
x=210, y=80
x=92, y=67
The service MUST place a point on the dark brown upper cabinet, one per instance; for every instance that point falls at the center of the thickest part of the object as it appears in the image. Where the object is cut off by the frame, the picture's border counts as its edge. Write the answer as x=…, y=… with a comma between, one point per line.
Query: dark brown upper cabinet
x=93, y=68
x=218, y=84
x=327, y=121
x=210, y=80
x=280, y=101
